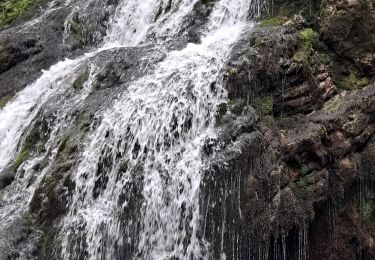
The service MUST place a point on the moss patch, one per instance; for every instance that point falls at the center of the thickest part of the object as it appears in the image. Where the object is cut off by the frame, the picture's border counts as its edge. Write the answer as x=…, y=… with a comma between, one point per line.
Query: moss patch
x=35, y=140
x=305, y=169
x=353, y=82
x=80, y=80
x=4, y=101
x=367, y=209
x=273, y=21
x=11, y=9
x=84, y=121
x=308, y=38
x=264, y=105
x=306, y=53
x=21, y=157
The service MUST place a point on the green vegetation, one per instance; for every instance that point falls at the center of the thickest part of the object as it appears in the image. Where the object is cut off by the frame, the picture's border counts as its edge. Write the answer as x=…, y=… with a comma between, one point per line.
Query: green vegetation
x=308, y=38
x=78, y=83
x=62, y=146
x=232, y=72
x=11, y=9
x=352, y=82
x=62, y=167
x=4, y=101
x=264, y=105
x=21, y=157
x=367, y=209
x=273, y=21
x=27, y=145
x=32, y=141
x=84, y=121
x=305, y=169
x=334, y=104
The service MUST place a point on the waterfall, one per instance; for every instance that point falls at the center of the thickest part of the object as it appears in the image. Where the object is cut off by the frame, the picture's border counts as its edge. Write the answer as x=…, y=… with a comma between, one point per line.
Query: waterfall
x=137, y=182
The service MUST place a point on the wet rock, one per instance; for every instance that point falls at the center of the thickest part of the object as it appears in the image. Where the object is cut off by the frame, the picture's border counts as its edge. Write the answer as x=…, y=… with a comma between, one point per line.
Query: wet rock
x=28, y=48
x=6, y=178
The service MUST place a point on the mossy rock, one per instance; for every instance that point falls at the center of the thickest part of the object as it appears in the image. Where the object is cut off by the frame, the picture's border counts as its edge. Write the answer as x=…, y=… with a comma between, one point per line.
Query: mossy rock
x=264, y=105
x=67, y=147
x=304, y=187
x=21, y=157
x=236, y=106
x=62, y=167
x=10, y=10
x=306, y=53
x=353, y=82
x=367, y=209
x=30, y=143
x=308, y=38
x=232, y=72
x=80, y=80
x=273, y=21
x=4, y=101
x=305, y=169
x=84, y=121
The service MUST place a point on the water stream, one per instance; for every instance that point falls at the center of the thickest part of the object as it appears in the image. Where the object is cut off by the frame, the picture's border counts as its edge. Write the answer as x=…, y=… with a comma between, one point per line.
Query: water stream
x=146, y=146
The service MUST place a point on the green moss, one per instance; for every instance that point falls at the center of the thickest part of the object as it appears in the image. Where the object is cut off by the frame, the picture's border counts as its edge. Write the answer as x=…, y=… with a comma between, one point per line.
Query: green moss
x=334, y=104
x=4, y=101
x=308, y=38
x=232, y=72
x=62, y=167
x=84, y=121
x=63, y=144
x=34, y=141
x=304, y=170
x=27, y=146
x=352, y=82
x=258, y=41
x=80, y=80
x=74, y=27
x=307, y=180
x=79, y=30
x=367, y=209
x=21, y=157
x=264, y=105
x=273, y=21
x=11, y=9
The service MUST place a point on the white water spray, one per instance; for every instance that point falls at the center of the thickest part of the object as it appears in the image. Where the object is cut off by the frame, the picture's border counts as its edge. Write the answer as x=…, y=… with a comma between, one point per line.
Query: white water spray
x=150, y=138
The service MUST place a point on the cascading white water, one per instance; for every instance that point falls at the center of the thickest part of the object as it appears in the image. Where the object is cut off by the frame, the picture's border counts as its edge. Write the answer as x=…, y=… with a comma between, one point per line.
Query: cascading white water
x=158, y=124
x=154, y=131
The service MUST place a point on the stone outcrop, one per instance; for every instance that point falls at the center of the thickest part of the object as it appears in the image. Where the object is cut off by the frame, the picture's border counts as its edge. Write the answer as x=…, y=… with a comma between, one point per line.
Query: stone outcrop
x=302, y=184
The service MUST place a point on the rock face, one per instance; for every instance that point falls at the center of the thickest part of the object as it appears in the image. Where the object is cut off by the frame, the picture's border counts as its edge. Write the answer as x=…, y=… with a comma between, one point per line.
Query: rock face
x=290, y=174
x=54, y=31
x=302, y=185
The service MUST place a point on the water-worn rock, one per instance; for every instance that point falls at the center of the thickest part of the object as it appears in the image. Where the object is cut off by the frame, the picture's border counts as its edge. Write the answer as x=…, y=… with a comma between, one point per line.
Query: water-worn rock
x=317, y=141
x=28, y=47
